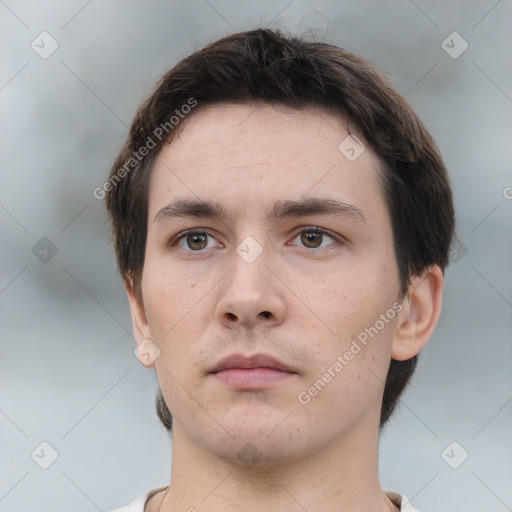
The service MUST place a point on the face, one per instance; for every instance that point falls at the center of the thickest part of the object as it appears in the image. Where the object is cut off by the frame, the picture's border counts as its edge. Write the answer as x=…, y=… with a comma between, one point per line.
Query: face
x=300, y=267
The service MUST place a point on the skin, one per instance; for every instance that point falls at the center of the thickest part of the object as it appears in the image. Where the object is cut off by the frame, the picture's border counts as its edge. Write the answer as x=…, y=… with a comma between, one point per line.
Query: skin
x=304, y=300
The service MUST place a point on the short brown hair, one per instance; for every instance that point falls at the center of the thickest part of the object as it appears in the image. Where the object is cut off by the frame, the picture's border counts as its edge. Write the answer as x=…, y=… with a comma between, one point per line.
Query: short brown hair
x=270, y=66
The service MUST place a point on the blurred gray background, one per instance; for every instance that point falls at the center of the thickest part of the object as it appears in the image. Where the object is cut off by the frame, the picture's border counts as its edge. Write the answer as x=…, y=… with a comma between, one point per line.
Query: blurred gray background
x=68, y=374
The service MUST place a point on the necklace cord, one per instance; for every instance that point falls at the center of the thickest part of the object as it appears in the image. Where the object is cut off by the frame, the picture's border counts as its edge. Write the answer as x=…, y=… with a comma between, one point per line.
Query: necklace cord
x=160, y=505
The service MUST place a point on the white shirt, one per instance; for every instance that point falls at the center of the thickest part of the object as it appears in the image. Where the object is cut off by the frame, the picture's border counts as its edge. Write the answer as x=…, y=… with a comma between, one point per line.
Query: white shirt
x=139, y=504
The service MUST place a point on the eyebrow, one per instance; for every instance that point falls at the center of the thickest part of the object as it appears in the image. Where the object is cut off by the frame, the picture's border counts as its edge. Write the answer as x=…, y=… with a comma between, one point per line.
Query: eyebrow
x=280, y=209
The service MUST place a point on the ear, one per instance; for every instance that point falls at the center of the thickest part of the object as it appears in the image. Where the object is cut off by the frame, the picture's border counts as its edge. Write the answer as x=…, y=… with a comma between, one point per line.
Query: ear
x=420, y=313
x=146, y=349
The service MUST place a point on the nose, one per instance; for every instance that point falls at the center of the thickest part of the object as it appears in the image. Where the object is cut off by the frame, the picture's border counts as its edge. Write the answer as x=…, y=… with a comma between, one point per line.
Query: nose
x=250, y=296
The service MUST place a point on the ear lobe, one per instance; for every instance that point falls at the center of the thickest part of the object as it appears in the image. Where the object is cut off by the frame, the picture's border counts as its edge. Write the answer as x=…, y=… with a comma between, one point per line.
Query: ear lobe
x=141, y=329
x=420, y=314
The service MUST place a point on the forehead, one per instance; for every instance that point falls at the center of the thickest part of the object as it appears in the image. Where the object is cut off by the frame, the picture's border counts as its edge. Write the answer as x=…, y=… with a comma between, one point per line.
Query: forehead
x=244, y=155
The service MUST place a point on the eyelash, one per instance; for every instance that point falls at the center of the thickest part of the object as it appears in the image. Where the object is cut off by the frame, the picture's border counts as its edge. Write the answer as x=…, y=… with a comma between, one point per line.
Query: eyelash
x=338, y=239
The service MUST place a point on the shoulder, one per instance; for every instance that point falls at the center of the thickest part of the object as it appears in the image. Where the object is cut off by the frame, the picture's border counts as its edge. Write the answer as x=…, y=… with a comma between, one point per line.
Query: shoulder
x=400, y=500
x=139, y=503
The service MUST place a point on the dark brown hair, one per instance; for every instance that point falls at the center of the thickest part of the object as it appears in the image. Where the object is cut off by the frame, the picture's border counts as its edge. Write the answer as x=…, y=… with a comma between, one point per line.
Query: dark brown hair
x=267, y=65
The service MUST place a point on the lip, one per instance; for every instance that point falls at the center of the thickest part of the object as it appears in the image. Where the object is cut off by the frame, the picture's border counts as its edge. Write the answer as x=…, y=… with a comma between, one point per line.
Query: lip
x=251, y=372
x=251, y=362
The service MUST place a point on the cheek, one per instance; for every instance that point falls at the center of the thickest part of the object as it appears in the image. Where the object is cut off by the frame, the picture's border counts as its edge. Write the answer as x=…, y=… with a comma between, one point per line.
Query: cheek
x=348, y=379
x=168, y=297
x=166, y=313
x=355, y=296
x=357, y=327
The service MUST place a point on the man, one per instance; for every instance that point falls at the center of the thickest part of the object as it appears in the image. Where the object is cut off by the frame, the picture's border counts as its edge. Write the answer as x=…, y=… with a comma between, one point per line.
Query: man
x=282, y=221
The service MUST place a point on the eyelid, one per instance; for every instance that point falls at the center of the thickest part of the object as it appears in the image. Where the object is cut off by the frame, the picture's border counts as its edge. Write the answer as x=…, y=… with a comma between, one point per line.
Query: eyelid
x=317, y=229
x=205, y=231
x=192, y=231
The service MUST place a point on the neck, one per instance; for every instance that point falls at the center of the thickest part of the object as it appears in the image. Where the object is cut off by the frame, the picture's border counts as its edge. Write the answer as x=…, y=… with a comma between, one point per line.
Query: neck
x=340, y=477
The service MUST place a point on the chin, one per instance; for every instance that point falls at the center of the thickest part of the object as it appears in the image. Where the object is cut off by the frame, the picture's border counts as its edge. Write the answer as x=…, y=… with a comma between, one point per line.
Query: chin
x=255, y=443
x=255, y=420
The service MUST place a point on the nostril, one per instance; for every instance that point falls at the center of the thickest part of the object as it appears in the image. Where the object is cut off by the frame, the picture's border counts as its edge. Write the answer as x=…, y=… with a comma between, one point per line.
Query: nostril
x=231, y=316
x=266, y=314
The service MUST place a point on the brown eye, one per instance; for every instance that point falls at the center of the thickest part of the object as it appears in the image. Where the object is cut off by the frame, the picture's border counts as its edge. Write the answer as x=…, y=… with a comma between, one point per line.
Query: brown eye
x=197, y=241
x=316, y=238
x=194, y=241
x=311, y=239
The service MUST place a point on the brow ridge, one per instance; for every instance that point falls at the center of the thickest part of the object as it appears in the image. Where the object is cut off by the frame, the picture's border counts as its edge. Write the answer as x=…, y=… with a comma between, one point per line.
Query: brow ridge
x=196, y=208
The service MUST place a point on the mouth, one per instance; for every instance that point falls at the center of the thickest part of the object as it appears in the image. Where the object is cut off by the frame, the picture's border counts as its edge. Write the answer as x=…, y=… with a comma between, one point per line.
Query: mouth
x=254, y=372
